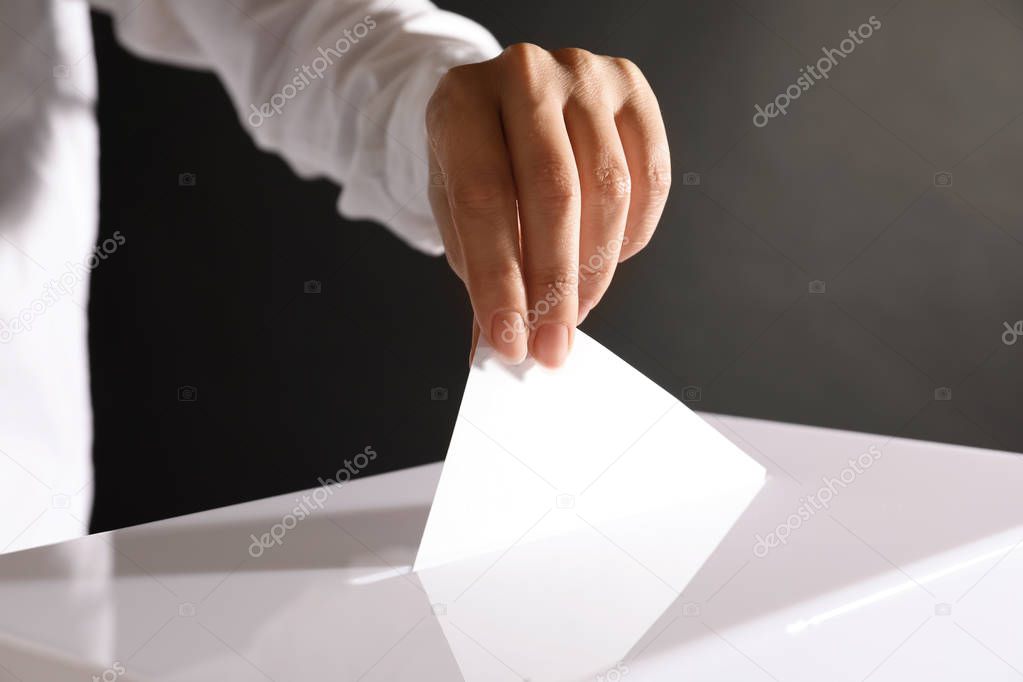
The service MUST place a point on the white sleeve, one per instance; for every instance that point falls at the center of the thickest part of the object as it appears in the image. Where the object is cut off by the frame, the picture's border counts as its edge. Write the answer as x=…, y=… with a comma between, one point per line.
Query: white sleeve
x=336, y=87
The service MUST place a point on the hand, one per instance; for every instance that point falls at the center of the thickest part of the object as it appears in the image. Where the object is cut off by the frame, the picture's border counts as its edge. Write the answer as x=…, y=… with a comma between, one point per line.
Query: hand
x=547, y=169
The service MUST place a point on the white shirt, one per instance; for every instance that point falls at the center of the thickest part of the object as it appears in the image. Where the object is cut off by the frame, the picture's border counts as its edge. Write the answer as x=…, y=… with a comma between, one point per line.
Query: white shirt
x=338, y=88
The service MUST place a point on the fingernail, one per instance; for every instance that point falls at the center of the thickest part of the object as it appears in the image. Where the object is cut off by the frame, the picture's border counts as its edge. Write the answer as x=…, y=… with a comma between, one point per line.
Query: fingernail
x=550, y=346
x=509, y=335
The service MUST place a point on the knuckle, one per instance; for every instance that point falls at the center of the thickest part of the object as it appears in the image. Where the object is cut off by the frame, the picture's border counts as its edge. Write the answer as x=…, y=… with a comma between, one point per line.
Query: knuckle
x=658, y=180
x=584, y=76
x=612, y=184
x=629, y=72
x=559, y=281
x=480, y=192
x=573, y=57
x=524, y=55
x=597, y=269
x=658, y=174
x=554, y=183
x=554, y=205
x=590, y=99
x=528, y=69
x=502, y=276
x=595, y=273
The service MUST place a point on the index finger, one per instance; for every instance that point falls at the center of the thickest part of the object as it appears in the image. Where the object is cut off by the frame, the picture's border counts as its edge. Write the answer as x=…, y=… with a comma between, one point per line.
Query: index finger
x=547, y=181
x=470, y=148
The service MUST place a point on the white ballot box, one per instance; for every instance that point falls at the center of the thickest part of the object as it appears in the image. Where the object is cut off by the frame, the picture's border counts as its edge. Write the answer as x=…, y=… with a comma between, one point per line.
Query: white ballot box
x=862, y=557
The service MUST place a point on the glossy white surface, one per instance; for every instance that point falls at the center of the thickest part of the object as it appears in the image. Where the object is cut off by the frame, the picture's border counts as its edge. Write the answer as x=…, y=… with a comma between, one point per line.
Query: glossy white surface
x=913, y=571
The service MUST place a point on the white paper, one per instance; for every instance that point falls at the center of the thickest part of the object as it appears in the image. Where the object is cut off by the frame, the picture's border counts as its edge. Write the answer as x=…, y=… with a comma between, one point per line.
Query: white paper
x=573, y=508
x=596, y=440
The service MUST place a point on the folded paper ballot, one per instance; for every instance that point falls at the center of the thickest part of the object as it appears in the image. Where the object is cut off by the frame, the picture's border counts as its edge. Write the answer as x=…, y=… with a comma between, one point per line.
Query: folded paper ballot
x=573, y=508
x=538, y=452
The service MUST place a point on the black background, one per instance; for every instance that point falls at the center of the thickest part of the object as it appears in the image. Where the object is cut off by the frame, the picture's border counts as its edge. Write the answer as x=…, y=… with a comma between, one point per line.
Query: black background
x=208, y=290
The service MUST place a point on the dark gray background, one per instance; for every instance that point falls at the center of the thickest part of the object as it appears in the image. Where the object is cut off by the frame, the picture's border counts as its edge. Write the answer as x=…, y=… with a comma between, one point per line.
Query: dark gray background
x=919, y=277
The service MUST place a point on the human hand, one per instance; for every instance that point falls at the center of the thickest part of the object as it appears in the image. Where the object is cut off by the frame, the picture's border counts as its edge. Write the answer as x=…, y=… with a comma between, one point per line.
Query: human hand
x=547, y=169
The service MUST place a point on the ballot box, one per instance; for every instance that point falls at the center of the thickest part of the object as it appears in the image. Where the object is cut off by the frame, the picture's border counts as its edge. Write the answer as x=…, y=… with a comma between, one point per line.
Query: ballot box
x=861, y=557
